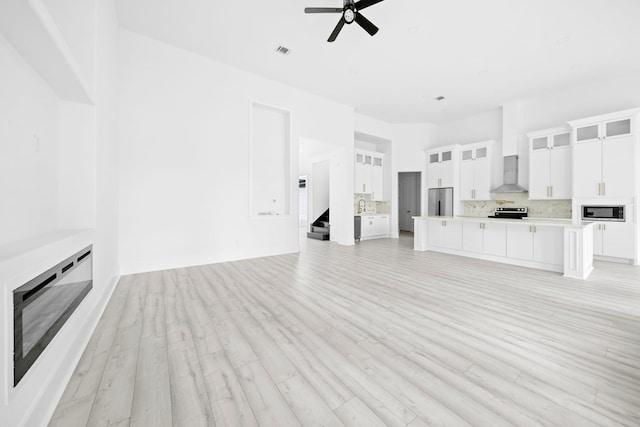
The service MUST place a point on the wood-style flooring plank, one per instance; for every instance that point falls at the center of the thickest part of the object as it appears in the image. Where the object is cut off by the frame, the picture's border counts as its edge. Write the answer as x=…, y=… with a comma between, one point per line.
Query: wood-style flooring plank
x=114, y=397
x=373, y=334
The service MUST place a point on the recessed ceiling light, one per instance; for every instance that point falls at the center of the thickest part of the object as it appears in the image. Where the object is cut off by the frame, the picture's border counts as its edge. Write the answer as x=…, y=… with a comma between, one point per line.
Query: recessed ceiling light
x=283, y=50
x=439, y=98
x=413, y=30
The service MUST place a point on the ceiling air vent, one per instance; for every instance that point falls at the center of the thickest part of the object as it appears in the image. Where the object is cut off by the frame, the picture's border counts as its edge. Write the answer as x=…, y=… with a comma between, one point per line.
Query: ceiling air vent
x=283, y=50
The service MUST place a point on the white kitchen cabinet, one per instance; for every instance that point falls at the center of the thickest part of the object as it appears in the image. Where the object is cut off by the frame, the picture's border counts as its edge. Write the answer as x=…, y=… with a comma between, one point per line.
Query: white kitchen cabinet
x=472, y=237
x=369, y=174
x=374, y=226
x=377, y=179
x=548, y=245
x=550, y=164
x=520, y=241
x=614, y=239
x=605, y=156
x=445, y=233
x=494, y=239
x=441, y=167
x=535, y=243
x=475, y=171
x=604, y=168
x=435, y=233
x=362, y=173
x=484, y=237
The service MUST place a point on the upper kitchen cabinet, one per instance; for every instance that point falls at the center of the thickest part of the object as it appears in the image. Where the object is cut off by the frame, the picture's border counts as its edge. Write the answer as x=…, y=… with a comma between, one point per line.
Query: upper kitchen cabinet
x=369, y=174
x=58, y=45
x=475, y=171
x=605, y=155
x=441, y=167
x=550, y=163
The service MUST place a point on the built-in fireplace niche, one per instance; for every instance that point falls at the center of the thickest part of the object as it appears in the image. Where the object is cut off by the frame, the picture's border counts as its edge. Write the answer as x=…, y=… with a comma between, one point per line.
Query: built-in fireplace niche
x=42, y=305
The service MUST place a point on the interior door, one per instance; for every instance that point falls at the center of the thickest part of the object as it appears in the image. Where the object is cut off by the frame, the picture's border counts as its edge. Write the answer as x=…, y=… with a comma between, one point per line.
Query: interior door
x=409, y=199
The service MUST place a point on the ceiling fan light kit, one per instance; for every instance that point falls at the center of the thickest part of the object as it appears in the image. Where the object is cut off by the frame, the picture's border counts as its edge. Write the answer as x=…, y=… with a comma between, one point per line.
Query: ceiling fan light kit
x=350, y=12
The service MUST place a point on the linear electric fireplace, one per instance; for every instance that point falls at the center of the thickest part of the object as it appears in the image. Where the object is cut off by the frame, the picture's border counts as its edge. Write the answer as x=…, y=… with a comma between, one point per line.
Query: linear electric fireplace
x=42, y=305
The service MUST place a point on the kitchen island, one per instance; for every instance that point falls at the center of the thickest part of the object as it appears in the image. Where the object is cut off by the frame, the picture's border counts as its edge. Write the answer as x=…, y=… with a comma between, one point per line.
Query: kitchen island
x=559, y=245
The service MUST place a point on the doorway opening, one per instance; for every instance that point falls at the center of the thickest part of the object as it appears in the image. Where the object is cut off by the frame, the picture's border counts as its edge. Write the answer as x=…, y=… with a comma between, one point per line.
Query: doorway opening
x=316, y=159
x=409, y=199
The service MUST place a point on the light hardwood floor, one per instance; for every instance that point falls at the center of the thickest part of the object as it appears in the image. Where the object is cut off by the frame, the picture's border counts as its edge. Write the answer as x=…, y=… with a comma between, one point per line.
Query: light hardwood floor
x=370, y=335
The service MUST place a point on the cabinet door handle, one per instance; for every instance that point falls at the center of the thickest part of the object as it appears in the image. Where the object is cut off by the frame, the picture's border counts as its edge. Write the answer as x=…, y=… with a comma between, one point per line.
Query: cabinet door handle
x=604, y=227
x=604, y=189
x=599, y=185
x=551, y=190
x=530, y=230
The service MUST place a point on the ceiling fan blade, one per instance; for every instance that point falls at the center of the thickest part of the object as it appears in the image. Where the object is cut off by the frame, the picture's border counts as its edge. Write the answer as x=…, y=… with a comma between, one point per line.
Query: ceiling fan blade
x=336, y=30
x=362, y=4
x=366, y=24
x=322, y=10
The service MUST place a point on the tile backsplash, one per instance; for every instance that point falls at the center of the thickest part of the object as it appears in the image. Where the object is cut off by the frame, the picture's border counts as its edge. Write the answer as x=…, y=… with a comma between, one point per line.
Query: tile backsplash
x=537, y=208
x=369, y=206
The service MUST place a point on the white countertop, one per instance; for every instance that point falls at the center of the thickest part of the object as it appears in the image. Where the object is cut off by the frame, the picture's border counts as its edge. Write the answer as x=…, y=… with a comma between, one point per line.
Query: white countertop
x=371, y=214
x=556, y=222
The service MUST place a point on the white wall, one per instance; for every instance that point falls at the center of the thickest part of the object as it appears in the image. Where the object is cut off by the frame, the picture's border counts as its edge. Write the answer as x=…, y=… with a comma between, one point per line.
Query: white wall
x=106, y=268
x=28, y=174
x=475, y=128
x=74, y=188
x=76, y=166
x=76, y=21
x=184, y=123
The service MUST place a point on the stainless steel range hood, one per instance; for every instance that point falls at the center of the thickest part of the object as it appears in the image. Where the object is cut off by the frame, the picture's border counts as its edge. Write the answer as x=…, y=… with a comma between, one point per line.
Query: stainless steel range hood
x=510, y=177
x=510, y=115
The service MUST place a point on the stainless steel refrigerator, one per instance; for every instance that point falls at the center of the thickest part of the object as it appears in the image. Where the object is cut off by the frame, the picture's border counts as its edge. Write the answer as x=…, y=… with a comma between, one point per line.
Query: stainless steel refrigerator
x=440, y=201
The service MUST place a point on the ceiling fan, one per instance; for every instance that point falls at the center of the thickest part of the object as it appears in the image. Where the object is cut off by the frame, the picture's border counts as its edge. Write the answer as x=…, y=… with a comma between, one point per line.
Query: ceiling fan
x=350, y=13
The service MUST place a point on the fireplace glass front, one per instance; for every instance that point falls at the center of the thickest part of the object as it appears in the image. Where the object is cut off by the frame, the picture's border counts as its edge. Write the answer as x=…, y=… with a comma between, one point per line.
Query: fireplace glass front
x=42, y=305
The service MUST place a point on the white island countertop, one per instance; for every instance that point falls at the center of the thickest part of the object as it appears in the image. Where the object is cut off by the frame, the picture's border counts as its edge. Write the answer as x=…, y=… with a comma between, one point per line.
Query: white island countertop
x=558, y=222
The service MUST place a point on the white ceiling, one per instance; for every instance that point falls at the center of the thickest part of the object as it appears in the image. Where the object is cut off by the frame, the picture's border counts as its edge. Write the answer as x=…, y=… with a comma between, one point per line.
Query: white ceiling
x=476, y=53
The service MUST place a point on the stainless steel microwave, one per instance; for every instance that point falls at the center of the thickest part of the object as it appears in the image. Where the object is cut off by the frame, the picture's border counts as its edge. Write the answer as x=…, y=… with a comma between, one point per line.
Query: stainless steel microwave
x=603, y=213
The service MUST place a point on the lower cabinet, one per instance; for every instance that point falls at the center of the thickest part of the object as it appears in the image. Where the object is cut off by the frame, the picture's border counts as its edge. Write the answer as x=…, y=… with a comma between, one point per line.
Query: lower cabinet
x=614, y=239
x=445, y=233
x=374, y=226
x=535, y=243
x=484, y=237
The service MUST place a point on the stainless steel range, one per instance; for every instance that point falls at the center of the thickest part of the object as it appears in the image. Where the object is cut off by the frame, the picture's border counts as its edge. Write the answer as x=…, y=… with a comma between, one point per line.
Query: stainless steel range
x=510, y=213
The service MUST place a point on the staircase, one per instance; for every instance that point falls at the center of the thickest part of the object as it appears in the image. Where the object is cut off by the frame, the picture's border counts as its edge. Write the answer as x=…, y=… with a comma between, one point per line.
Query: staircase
x=320, y=227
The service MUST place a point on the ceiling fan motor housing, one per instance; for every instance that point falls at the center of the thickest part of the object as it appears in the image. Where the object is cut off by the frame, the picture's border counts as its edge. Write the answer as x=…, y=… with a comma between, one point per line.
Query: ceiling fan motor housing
x=349, y=14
